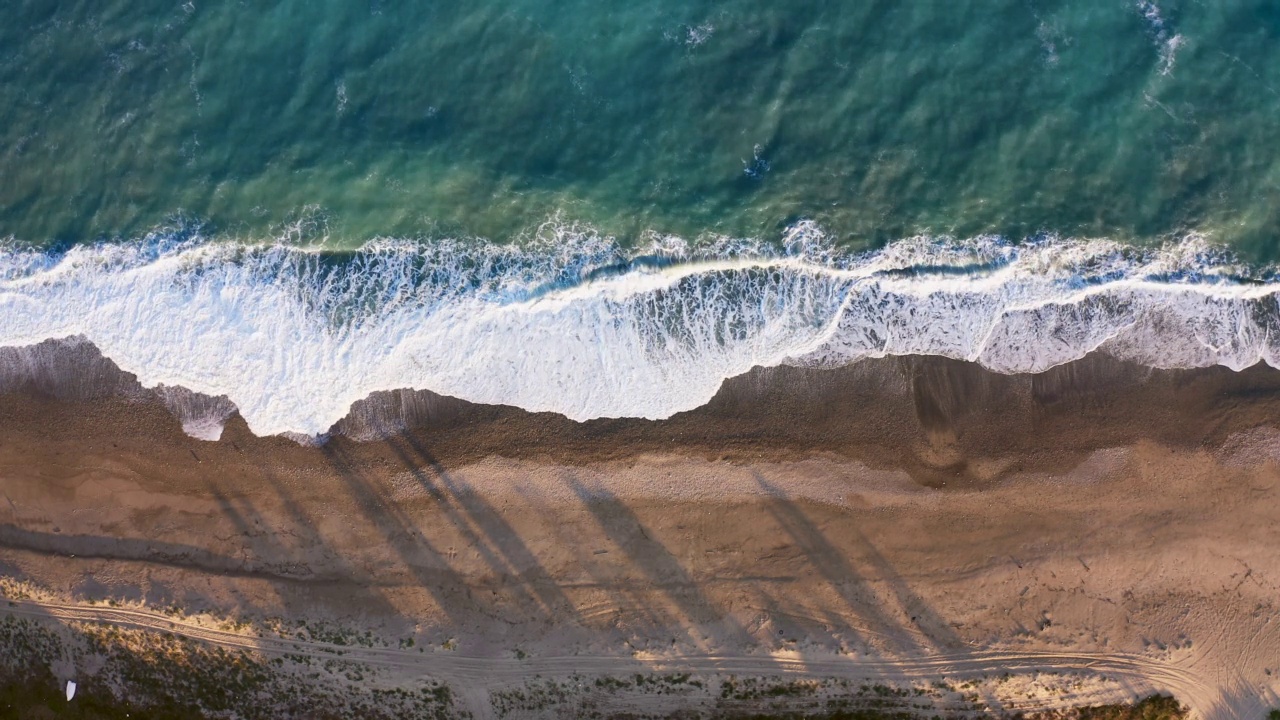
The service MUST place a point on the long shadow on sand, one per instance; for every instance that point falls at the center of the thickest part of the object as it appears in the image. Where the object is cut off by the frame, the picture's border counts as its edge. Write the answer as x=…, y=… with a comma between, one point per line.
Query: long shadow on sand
x=485, y=531
x=429, y=567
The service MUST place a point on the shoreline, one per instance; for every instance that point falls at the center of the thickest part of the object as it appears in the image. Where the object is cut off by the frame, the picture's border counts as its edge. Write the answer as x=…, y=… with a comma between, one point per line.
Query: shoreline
x=890, y=511
x=932, y=414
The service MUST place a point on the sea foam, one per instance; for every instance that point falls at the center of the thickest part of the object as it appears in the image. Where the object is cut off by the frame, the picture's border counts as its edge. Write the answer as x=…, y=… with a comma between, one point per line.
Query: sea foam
x=573, y=323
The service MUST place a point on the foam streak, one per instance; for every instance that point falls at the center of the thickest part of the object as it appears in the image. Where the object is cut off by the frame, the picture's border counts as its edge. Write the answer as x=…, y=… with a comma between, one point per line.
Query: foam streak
x=578, y=326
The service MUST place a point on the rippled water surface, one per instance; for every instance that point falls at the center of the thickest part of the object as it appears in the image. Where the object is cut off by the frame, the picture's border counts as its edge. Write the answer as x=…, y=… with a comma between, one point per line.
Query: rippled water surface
x=879, y=120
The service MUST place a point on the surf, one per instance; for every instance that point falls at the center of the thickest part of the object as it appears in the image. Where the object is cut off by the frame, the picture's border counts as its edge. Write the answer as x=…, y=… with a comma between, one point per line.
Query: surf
x=573, y=322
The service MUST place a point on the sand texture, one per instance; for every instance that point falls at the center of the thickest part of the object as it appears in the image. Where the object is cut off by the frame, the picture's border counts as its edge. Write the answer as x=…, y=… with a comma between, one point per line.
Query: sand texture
x=1088, y=535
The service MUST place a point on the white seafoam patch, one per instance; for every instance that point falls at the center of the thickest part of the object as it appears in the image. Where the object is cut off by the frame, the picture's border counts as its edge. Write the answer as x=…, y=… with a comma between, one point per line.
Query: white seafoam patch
x=578, y=326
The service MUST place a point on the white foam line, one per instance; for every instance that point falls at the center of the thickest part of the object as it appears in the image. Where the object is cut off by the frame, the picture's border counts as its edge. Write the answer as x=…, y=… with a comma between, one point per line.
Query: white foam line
x=293, y=343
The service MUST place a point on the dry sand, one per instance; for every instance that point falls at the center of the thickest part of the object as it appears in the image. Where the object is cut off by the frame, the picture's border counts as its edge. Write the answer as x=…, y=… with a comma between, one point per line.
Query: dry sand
x=900, y=521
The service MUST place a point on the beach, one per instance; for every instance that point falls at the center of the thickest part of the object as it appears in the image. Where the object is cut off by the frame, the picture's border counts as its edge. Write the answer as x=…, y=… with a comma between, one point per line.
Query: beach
x=902, y=522
x=670, y=360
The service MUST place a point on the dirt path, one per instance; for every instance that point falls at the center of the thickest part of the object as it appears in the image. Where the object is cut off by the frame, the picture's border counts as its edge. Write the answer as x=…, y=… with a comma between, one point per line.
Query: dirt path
x=476, y=677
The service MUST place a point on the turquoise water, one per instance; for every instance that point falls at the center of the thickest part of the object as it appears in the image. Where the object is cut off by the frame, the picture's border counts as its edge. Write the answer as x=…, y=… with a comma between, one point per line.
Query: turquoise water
x=878, y=120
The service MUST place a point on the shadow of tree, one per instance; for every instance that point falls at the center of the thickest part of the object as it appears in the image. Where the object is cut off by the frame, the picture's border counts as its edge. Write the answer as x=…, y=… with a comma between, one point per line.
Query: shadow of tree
x=486, y=532
x=686, y=606
x=418, y=556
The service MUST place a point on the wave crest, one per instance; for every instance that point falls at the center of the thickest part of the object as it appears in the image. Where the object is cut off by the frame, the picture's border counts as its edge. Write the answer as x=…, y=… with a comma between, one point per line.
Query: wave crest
x=575, y=324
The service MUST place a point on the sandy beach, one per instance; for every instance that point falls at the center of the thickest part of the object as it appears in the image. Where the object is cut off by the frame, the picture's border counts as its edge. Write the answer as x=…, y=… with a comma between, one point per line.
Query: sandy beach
x=727, y=360
x=1089, y=535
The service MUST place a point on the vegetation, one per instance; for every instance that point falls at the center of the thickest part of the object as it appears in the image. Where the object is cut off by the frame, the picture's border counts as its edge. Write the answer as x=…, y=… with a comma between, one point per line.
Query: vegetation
x=39, y=696
x=1156, y=707
x=752, y=698
x=168, y=677
x=163, y=676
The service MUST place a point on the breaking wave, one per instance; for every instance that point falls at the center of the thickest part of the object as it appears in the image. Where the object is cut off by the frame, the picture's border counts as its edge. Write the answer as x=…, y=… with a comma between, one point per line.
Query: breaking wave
x=575, y=324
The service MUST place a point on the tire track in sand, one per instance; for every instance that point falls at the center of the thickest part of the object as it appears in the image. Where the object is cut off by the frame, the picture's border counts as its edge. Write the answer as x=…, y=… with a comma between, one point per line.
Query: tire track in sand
x=1139, y=673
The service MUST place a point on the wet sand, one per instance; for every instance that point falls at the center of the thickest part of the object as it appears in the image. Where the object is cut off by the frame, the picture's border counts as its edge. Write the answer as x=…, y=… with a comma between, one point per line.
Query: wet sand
x=895, y=510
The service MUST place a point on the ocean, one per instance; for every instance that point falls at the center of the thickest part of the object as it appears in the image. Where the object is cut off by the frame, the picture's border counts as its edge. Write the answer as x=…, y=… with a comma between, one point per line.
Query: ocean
x=604, y=210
